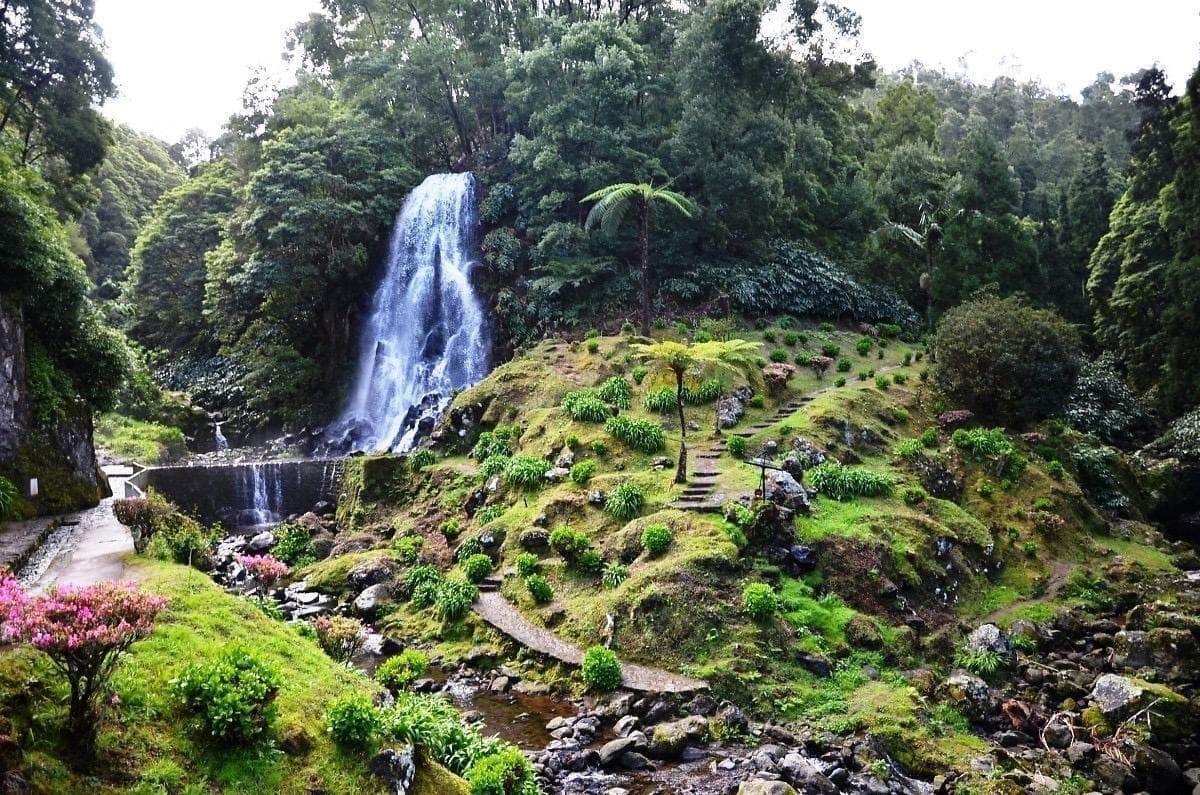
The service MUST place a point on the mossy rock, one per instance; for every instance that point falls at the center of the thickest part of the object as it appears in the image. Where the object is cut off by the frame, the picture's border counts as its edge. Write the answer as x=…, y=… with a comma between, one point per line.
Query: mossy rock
x=862, y=633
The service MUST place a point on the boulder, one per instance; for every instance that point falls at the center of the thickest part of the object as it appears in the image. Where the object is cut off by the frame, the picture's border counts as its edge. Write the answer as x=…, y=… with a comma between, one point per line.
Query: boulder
x=535, y=540
x=759, y=787
x=970, y=695
x=557, y=474
x=260, y=543
x=371, y=599
x=371, y=572
x=613, y=750
x=783, y=489
x=565, y=461
x=730, y=411
x=776, y=375
x=732, y=718
x=805, y=775
x=1122, y=697
x=397, y=768
x=310, y=522
x=989, y=638
x=669, y=739
x=862, y=633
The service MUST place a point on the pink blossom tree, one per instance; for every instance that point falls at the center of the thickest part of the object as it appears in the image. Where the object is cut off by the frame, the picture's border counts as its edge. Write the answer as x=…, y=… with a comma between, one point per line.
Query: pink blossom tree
x=84, y=632
x=267, y=569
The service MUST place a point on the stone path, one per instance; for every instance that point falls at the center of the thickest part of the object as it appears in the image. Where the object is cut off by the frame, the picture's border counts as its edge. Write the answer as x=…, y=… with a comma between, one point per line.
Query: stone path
x=499, y=613
x=20, y=540
x=94, y=552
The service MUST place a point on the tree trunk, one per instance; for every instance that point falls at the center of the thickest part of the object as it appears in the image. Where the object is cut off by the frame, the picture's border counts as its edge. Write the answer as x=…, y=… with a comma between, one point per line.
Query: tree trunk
x=681, y=470
x=929, y=289
x=644, y=243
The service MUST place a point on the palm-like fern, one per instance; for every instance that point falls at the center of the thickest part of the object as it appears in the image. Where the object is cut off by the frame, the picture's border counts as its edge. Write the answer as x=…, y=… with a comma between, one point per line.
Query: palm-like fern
x=611, y=205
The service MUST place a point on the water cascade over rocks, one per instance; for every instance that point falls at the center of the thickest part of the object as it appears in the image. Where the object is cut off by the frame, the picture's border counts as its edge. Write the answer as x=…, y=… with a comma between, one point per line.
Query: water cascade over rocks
x=427, y=334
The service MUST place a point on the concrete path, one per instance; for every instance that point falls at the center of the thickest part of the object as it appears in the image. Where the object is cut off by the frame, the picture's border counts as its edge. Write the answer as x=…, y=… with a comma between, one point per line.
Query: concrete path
x=94, y=552
x=498, y=612
x=20, y=540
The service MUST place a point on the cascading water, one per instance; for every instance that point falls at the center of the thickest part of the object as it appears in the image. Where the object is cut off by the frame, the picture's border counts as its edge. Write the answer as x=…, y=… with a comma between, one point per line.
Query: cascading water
x=222, y=444
x=427, y=334
x=262, y=490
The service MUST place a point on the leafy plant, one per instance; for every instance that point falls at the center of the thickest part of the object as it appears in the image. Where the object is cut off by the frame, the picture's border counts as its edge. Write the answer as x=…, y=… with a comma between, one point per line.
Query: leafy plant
x=400, y=671
x=864, y=345
x=929, y=437
x=625, y=501
x=840, y=381
x=737, y=446
x=1055, y=470
x=913, y=495
x=899, y=378
x=586, y=405
x=778, y=355
x=588, y=562
x=582, y=472
x=616, y=392
x=421, y=584
x=908, y=448
x=656, y=538
x=592, y=346
x=476, y=567
x=569, y=543
x=294, y=546
x=526, y=472
x=539, y=588
x=341, y=637
x=493, y=465
x=790, y=339
x=353, y=721
x=505, y=772
x=660, y=400
x=759, y=601
x=984, y=663
x=232, y=697
x=615, y=573
x=639, y=374
x=599, y=448
x=843, y=482
x=981, y=442
x=489, y=513
x=601, y=669
x=843, y=365
x=769, y=336
x=883, y=383
x=830, y=350
x=985, y=489
x=527, y=563
x=454, y=599
x=496, y=442
x=643, y=435
x=8, y=499
x=421, y=458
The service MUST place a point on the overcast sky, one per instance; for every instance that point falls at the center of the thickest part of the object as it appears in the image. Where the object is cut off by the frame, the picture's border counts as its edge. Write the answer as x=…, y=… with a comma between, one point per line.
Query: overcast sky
x=183, y=63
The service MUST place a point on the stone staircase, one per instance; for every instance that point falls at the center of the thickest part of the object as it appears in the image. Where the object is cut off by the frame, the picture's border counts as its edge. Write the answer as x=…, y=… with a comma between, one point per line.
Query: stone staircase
x=490, y=584
x=700, y=493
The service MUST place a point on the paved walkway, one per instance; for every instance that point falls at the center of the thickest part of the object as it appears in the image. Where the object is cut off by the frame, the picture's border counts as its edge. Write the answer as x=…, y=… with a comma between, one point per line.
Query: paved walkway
x=94, y=552
x=19, y=540
x=497, y=611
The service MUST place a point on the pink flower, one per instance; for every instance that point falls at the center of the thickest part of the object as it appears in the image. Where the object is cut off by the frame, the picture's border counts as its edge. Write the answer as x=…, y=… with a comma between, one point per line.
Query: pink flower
x=115, y=700
x=267, y=569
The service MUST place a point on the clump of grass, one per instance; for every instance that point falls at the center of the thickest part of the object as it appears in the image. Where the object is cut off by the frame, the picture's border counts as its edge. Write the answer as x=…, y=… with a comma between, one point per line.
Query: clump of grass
x=843, y=482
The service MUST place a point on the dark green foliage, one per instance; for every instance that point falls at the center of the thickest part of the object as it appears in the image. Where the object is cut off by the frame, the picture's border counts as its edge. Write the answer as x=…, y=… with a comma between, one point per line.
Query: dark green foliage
x=981, y=662
x=496, y=442
x=353, y=721
x=589, y=563
x=489, y=513
x=539, y=588
x=493, y=465
x=929, y=437
x=582, y=472
x=779, y=355
x=454, y=599
x=616, y=392
x=708, y=391
x=843, y=365
x=656, y=538
x=625, y=501
x=569, y=543
x=1006, y=360
x=586, y=405
x=420, y=583
x=845, y=483
x=864, y=345
x=643, y=435
x=8, y=499
x=759, y=601
x=909, y=448
x=769, y=336
x=913, y=495
x=527, y=563
x=470, y=546
x=526, y=472
x=982, y=442
x=1095, y=467
x=419, y=459
x=660, y=400
x=614, y=574
x=737, y=446
x=232, y=697
x=601, y=669
x=1103, y=405
x=294, y=546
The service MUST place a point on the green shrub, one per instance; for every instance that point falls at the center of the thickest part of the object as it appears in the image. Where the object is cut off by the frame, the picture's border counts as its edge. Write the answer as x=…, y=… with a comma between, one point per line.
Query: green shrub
x=527, y=563
x=408, y=548
x=842, y=482
x=526, y=472
x=601, y=669
x=489, y=513
x=737, y=446
x=786, y=322
x=572, y=441
x=341, y=637
x=929, y=437
x=708, y=391
x=476, y=567
x=539, y=588
x=506, y=772
x=599, y=448
x=643, y=435
x=656, y=538
x=900, y=415
x=863, y=375
x=760, y=362
x=615, y=573
x=913, y=495
x=880, y=352
x=882, y=383
x=843, y=365
x=790, y=339
x=569, y=543
x=585, y=405
x=397, y=673
x=660, y=400
x=839, y=381
x=353, y=721
x=182, y=539
x=899, y=378
x=864, y=345
x=470, y=546
x=294, y=546
x=418, y=576
x=826, y=327
x=759, y=601
x=985, y=489
x=907, y=359
x=1043, y=504
x=889, y=330
x=493, y=465
x=1030, y=548
x=909, y=448
x=616, y=392
x=832, y=351
x=419, y=459
x=1006, y=360
x=496, y=442
x=454, y=599
x=593, y=346
x=639, y=374
x=980, y=442
x=981, y=662
x=756, y=401
x=451, y=528
x=1055, y=470
x=582, y=472
x=803, y=358
x=591, y=334
x=778, y=355
x=231, y=697
x=769, y=336
x=625, y=501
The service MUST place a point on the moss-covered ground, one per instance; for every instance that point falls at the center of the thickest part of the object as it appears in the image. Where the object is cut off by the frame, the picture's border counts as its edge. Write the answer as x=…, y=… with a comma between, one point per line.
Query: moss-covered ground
x=146, y=744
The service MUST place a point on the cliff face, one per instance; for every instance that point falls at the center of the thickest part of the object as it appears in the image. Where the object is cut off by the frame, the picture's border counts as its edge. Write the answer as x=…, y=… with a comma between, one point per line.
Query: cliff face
x=60, y=454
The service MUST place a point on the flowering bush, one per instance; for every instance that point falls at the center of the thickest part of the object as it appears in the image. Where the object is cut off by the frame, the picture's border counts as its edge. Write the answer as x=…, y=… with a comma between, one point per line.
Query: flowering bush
x=819, y=364
x=267, y=569
x=84, y=632
x=341, y=637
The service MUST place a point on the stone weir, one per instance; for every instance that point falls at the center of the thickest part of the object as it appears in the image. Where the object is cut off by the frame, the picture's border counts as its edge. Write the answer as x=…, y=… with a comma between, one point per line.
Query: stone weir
x=246, y=494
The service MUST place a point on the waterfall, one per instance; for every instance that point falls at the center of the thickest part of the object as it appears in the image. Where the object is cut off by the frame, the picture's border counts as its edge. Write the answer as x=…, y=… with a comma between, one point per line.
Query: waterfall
x=222, y=443
x=426, y=335
x=261, y=492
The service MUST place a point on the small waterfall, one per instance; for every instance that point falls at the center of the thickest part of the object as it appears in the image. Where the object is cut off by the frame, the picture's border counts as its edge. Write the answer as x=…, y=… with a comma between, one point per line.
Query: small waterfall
x=222, y=443
x=426, y=335
x=262, y=493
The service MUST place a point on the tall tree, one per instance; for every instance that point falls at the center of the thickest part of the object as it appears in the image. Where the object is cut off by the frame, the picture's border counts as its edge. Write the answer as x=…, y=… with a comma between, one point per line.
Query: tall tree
x=611, y=204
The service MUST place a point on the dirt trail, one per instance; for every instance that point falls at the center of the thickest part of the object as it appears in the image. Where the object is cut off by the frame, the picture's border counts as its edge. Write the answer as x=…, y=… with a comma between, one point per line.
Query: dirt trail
x=498, y=612
x=1058, y=577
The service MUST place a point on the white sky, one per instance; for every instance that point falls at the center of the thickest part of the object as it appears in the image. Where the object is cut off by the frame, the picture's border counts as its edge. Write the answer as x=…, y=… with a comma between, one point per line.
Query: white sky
x=183, y=63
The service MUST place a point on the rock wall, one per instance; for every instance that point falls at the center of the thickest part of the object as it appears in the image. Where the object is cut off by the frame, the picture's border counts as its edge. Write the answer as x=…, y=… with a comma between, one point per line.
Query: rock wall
x=61, y=457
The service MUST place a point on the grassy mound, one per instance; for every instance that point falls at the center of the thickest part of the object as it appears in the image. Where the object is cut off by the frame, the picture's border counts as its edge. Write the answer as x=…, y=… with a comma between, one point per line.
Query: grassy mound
x=146, y=746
